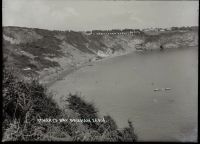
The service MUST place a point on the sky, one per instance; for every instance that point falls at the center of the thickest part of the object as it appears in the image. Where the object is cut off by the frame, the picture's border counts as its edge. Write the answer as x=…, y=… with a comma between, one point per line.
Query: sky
x=83, y=15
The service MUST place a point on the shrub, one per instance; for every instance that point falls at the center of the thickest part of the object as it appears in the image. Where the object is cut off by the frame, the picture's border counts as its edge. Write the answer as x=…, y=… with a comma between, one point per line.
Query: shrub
x=106, y=131
x=84, y=109
x=25, y=102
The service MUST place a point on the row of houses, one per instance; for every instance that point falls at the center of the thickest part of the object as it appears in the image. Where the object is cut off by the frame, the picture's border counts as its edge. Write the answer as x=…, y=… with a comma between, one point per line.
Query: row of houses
x=156, y=29
x=121, y=33
x=169, y=29
x=114, y=32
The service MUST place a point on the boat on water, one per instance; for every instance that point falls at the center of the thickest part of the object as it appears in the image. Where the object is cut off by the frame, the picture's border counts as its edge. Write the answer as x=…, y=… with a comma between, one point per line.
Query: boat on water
x=162, y=89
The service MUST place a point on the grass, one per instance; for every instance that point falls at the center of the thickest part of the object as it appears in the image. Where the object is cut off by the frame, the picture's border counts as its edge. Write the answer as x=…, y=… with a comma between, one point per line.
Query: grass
x=26, y=102
x=21, y=61
x=42, y=43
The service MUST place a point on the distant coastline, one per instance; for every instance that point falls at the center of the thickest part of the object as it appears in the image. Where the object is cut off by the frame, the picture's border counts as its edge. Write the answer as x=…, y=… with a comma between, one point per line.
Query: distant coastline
x=51, y=55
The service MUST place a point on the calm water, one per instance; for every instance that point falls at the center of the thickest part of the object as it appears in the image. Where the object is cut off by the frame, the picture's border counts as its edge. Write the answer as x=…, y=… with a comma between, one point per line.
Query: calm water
x=123, y=87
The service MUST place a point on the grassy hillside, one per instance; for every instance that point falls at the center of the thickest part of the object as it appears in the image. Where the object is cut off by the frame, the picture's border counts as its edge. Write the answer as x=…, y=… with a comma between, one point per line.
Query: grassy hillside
x=29, y=111
x=36, y=54
x=44, y=53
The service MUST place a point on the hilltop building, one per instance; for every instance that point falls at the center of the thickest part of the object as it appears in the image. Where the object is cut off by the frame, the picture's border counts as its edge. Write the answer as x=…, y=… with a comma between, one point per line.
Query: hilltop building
x=115, y=32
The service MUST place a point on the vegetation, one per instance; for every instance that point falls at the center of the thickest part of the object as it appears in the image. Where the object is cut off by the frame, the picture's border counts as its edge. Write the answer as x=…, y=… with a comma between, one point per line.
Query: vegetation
x=25, y=103
x=40, y=49
x=17, y=58
x=185, y=28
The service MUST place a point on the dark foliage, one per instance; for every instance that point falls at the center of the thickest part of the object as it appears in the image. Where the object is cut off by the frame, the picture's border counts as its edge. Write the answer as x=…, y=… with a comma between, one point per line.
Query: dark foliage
x=26, y=102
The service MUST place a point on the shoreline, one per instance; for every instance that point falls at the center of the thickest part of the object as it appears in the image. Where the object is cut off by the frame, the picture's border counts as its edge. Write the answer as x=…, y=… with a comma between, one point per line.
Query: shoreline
x=69, y=70
x=104, y=98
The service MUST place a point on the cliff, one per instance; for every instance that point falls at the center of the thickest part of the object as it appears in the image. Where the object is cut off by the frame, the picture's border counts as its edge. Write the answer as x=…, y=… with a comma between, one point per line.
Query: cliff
x=44, y=53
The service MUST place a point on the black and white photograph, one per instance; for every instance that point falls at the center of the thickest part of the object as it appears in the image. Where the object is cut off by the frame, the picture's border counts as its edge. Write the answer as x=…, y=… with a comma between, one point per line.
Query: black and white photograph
x=100, y=70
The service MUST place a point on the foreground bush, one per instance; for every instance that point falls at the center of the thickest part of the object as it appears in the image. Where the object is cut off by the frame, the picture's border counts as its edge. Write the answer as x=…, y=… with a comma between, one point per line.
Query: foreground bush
x=26, y=102
x=108, y=130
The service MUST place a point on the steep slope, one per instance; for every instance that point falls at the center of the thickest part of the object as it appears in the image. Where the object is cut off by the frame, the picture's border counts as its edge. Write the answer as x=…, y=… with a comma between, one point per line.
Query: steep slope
x=46, y=54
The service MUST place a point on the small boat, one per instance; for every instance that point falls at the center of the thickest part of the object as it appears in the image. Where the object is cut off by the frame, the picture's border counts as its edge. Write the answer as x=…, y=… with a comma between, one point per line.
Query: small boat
x=167, y=88
x=90, y=65
x=156, y=89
